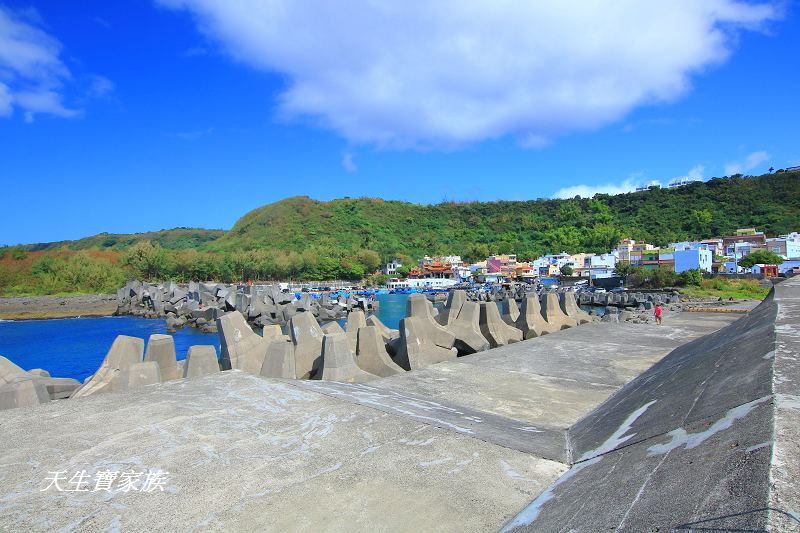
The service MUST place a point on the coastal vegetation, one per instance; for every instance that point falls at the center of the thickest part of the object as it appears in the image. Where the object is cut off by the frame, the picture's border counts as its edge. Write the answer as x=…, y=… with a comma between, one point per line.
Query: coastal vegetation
x=60, y=273
x=736, y=289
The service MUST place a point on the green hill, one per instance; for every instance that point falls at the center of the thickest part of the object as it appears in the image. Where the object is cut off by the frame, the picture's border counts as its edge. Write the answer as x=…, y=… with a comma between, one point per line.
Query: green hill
x=474, y=229
x=170, y=239
x=304, y=239
x=530, y=228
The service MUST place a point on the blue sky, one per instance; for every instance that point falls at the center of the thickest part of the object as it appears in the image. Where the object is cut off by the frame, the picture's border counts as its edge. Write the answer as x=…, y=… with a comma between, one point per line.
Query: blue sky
x=134, y=116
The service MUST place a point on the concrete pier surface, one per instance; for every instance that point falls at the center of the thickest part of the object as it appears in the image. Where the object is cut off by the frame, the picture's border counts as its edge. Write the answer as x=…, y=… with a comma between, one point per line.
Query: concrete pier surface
x=616, y=426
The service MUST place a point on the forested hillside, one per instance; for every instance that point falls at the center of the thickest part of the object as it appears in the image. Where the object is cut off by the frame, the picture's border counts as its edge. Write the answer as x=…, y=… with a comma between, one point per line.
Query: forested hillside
x=703, y=209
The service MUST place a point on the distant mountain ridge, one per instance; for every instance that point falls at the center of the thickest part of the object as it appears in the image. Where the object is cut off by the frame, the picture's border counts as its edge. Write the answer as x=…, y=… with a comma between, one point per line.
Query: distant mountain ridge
x=170, y=239
x=770, y=202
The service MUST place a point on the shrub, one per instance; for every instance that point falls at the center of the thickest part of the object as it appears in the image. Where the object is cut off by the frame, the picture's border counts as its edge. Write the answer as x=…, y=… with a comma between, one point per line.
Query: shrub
x=691, y=277
x=18, y=253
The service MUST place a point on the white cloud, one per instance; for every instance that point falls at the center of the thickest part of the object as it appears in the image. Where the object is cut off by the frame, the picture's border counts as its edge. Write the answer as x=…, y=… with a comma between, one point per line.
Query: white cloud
x=31, y=71
x=630, y=184
x=534, y=141
x=747, y=164
x=587, y=191
x=447, y=73
x=6, y=100
x=348, y=162
x=100, y=86
x=696, y=173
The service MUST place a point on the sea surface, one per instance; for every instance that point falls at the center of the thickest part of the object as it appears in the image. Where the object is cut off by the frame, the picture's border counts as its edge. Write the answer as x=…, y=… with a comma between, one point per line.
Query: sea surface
x=75, y=347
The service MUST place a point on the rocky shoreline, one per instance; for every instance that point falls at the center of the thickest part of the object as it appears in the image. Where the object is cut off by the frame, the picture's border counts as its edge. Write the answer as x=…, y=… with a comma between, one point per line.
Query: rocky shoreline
x=49, y=307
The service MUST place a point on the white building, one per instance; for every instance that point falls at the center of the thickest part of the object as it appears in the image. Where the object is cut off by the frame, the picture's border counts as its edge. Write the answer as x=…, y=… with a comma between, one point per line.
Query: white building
x=390, y=269
x=686, y=245
x=602, y=265
x=690, y=259
x=680, y=182
x=454, y=260
x=422, y=283
x=462, y=272
x=786, y=246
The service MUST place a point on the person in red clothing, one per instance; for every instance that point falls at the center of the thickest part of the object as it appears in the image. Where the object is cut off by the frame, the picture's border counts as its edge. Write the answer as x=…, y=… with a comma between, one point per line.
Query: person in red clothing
x=658, y=312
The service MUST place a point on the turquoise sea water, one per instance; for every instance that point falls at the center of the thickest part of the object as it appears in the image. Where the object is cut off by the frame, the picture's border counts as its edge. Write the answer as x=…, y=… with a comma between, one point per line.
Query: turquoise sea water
x=75, y=347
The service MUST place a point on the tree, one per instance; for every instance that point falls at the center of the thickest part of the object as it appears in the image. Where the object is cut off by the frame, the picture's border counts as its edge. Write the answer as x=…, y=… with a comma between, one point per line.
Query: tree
x=760, y=257
x=376, y=279
x=147, y=260
x=370, y=259
x=476, y=251
x=691, y=277
x=566, y=270
x=623, y=268
x=403, y=270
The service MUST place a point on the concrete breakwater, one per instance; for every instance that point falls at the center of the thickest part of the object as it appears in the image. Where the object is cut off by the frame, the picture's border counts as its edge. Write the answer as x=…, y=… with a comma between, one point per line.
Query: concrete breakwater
x=547, y=434
x=616, y=306
x=199, y=304
x=364, y=350
x=624, y=299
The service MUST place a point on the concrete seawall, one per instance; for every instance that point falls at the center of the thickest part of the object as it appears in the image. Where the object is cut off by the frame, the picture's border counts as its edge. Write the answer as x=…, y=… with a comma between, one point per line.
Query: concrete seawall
x=626, y=426
x=705, y=438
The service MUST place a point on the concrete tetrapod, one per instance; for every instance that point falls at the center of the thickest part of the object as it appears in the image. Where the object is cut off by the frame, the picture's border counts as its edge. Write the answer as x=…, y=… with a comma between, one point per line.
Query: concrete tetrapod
x=371, y=355
x=387, y=333
x=141, y=374
x=57, y=388
x=273, y=331
x=331, y=328
x=423, y=342
x=23, y=391
x=530, y=320
x=552, y=313
x=240, y=347
x=355, y=321
x=497, y=332
x=161, y=349
x=571, y=309
x=339, y=363
x=9, y=371
x=467, y=330
x=455, y=299
x=513, y=312
x=60, y=388
x=279, y=361
x=418, y=305
x=201, y=360
x=307, y=339
x=19, y=388
x=124, y=352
